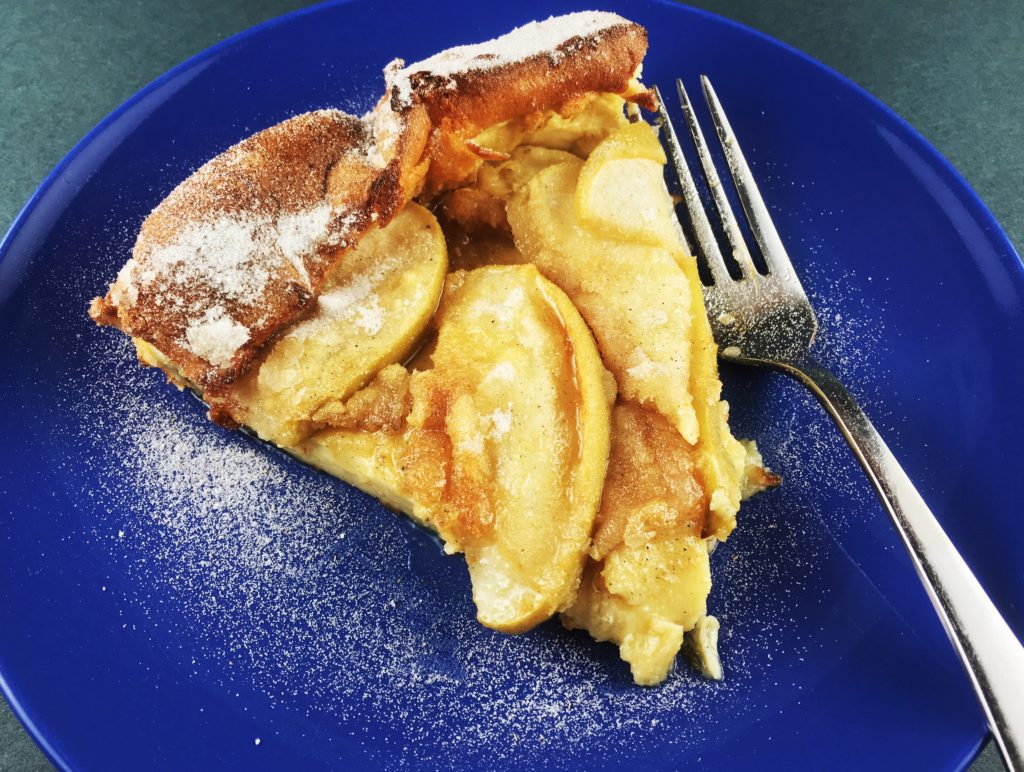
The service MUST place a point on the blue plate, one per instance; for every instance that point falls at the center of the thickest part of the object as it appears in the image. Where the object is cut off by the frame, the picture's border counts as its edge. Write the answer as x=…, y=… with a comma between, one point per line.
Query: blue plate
x=177, y=596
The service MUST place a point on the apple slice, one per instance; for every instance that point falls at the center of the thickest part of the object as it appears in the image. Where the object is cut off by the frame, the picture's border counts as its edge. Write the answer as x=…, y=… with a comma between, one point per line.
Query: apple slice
x=653, y=334
x=374, y=307
x=641, y=326
x=621, y=191
x=504, y=447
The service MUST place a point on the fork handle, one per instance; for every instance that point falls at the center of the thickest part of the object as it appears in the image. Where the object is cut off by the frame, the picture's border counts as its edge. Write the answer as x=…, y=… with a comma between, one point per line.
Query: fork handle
x=990, y=652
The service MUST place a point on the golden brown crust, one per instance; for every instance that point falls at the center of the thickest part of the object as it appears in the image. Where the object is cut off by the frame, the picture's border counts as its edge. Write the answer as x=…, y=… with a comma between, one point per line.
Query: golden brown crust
x=653, y=482
x=463, y=101
x=312, y=182
x=239, y=251
x=103, y=312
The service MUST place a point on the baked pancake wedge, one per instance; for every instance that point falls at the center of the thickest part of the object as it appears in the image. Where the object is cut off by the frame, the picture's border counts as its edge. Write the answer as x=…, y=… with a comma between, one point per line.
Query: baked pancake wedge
x=473, y=303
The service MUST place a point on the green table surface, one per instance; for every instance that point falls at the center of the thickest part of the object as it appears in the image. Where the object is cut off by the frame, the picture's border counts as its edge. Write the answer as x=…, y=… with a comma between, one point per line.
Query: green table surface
x=953, y=69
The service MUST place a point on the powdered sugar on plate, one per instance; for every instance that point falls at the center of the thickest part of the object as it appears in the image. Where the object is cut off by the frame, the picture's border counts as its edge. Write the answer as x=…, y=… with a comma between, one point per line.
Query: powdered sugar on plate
x=269, y=576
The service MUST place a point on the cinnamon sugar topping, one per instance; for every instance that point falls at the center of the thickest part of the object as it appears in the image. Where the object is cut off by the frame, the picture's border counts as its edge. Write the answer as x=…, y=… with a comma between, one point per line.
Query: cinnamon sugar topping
x=234, y=258
x=242, y=247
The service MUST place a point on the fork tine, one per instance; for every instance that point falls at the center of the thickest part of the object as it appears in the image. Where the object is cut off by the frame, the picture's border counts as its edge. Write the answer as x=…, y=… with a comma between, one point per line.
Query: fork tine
x=729, y=224
x=698, y=217
x=761, y=224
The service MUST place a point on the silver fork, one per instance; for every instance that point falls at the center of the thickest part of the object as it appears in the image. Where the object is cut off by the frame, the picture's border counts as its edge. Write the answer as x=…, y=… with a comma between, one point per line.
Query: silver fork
x=766, y=320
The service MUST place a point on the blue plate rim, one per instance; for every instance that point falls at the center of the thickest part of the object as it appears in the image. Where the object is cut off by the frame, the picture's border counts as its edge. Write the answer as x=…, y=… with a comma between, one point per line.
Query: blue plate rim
x=978, y=209
x=849, y=85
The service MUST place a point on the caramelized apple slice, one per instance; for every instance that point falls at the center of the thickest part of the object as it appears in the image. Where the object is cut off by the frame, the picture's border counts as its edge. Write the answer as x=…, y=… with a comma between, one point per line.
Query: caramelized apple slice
x=676, y=474
x=640, y=326
x=505, y=444
x=653, y=334
x=621, y=193
x=646, y=586
x=373, y=309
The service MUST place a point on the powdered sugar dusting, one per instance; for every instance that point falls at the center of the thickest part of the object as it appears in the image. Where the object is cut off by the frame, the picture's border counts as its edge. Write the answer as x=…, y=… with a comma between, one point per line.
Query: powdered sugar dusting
x=222, y=263
x=216, y=336
x=538, y=37
x=225, y=254
x=297, y=234
x=356, y=299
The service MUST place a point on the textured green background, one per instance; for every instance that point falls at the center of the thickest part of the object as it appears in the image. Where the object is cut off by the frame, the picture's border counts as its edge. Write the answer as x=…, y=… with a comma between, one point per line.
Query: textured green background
x=953, y=69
